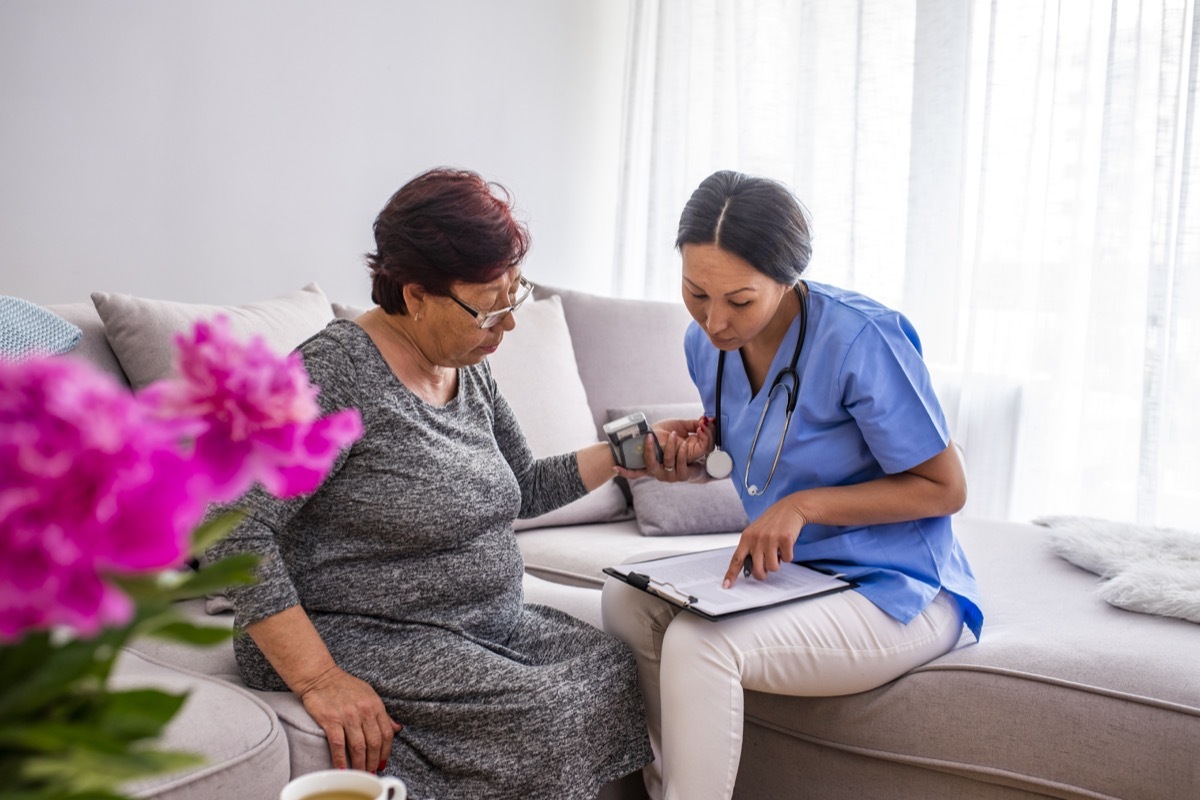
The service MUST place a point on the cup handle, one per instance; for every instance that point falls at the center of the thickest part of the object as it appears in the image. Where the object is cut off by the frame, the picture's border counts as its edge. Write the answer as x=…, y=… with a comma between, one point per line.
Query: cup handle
x=394, y=789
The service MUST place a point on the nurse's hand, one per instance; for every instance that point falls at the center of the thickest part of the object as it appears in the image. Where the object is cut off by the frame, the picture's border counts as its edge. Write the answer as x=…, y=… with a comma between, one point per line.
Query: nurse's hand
x=684, y=445
x=768, y=541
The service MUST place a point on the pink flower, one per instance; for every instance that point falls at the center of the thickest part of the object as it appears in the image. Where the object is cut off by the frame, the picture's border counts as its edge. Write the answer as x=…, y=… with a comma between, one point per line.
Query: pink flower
x=95, y=481
x=90, y=484
x=253, y=415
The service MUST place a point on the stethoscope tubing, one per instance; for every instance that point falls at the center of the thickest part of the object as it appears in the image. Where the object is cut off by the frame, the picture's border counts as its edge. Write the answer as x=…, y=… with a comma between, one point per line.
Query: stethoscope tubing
x=793, y=395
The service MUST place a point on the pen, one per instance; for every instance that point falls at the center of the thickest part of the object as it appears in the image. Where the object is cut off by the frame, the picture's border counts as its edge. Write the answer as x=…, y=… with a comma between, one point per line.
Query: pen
x=747, y=565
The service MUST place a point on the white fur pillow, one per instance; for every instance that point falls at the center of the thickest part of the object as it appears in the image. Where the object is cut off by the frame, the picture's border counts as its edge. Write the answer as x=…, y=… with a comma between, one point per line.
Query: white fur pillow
x=1149, y=570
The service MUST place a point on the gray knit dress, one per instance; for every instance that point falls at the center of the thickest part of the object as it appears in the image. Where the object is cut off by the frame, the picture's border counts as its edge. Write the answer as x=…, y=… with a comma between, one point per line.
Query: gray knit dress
x=406, y=561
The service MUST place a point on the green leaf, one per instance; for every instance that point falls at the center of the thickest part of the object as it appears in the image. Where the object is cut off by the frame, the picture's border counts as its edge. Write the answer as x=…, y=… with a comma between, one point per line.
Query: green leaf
x=80, y=770
x=235, y=570
x=139, y=713
x=214, y=531
x=42, y=794
x=19, y=656
x=57, y=737
x=80, y=662
x=191, y=633
x=21, y=659
x=147, y=589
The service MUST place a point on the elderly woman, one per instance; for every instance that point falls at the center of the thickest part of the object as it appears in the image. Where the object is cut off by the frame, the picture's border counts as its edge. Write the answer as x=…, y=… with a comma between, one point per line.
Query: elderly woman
x=390, y=599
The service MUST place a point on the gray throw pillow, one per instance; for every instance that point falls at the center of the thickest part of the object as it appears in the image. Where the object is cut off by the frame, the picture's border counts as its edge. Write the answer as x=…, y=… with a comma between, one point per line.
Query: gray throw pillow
x=141, y=331
x=677, y=509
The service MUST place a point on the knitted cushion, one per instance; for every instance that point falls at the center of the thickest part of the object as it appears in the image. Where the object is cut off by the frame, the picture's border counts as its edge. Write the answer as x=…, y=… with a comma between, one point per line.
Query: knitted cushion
x=27, y=329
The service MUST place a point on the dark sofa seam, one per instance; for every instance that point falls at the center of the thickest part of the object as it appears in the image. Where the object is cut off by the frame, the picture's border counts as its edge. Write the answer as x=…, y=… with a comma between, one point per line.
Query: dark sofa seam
x=970, y=771
x=1082, y=687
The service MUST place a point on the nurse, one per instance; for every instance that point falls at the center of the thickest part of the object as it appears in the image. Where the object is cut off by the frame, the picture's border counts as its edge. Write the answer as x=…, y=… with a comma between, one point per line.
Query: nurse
x=818, y=406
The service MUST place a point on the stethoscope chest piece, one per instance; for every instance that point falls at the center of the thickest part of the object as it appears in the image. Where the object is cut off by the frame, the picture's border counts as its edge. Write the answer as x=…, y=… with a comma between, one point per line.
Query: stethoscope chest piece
x=719, y=464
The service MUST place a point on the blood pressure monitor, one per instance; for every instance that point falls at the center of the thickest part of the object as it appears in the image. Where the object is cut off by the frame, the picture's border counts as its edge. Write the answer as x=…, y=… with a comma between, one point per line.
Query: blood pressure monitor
x=627, y=438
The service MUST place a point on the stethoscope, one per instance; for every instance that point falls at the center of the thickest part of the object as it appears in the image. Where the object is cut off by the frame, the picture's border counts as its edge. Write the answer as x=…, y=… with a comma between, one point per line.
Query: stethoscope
x=719, y=463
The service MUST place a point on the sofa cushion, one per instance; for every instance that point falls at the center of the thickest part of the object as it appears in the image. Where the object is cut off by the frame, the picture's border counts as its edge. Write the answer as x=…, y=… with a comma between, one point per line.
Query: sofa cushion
x=628, y=351
x=344, y=311
x=28, y=329
x=93, y=347
x=676, y=509
x=1064, y=696
x=240, y=738
x=535, y=370
x=141, y=331
x=577, y=556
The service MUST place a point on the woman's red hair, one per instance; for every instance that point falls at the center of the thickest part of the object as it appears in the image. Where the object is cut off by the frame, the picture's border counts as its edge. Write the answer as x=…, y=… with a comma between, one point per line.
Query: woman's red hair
x=443, y=226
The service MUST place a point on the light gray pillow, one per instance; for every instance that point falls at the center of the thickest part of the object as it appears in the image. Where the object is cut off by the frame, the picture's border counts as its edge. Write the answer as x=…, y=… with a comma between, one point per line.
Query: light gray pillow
x=536, y=372
x=344, y=311
x=141, y=331
x=676, y=509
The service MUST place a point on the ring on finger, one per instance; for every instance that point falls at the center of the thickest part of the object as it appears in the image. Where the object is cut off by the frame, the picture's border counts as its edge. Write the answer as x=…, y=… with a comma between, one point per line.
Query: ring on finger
x=669, y=469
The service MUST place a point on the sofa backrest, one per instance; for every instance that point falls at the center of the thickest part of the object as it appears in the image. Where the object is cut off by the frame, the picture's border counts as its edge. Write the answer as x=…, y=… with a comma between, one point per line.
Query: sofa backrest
x=629, y=352
x=93, y=346
x=984, y=415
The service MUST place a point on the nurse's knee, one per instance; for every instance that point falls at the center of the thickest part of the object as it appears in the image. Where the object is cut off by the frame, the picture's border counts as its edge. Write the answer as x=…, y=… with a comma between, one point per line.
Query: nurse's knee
x=692, y=640
x=621, y=612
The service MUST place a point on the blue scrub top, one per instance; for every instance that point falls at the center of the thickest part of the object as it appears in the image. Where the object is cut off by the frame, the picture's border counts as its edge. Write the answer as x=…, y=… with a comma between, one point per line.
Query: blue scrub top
x=866, y=409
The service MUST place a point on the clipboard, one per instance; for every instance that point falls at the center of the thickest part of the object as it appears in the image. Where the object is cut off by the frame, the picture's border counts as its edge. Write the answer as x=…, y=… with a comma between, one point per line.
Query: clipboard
x=692, y=581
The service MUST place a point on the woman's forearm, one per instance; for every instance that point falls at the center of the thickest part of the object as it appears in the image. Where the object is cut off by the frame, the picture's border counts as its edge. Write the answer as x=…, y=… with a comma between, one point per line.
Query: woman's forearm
x=295, y=649
x=595, y=465
x=356, y=723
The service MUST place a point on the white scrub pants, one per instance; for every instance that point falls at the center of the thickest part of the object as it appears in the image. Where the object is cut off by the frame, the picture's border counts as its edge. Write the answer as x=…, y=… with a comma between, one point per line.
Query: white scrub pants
x=693, y=671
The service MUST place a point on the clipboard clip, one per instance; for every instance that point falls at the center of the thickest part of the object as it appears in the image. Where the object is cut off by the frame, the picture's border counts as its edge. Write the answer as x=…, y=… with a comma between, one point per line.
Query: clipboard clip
x=667, y=591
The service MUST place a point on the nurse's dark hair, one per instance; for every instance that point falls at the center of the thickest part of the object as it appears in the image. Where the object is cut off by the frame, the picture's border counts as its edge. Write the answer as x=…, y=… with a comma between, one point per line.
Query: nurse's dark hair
x=756, y=219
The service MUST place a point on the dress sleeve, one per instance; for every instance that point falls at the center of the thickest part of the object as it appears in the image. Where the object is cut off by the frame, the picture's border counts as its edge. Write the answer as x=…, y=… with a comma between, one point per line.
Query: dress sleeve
x=886, y=387
x=546, y=483
x=332, y=370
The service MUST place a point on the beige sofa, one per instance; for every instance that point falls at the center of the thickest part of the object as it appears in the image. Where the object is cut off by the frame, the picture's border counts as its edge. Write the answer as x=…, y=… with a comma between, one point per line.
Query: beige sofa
x=1065, y=697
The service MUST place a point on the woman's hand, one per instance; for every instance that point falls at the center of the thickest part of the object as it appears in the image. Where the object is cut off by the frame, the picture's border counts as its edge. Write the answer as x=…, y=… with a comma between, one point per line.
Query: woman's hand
x=768, y=541
x=354, y=719
x=684, y=443
x=350, y=712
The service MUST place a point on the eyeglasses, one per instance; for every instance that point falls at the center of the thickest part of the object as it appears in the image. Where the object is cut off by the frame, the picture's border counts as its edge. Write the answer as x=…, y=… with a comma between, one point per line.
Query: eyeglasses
x=489, y=319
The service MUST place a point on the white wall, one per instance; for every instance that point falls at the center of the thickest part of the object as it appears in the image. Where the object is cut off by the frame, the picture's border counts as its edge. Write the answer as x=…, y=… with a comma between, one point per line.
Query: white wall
x=229, y=150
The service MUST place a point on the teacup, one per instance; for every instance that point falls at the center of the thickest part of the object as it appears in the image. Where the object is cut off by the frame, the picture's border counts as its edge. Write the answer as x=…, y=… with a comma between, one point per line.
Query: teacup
x=343, y=784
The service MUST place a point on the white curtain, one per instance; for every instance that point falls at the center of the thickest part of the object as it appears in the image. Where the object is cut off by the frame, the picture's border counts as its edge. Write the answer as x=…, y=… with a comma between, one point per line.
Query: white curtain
x=1020, y=177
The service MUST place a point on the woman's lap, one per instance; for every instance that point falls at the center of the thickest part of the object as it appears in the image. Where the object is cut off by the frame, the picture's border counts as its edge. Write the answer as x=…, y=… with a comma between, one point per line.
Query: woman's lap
x=535, y=711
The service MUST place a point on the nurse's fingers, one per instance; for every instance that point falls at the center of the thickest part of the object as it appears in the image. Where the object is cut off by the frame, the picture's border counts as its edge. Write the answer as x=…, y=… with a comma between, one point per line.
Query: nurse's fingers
x=673, y=467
